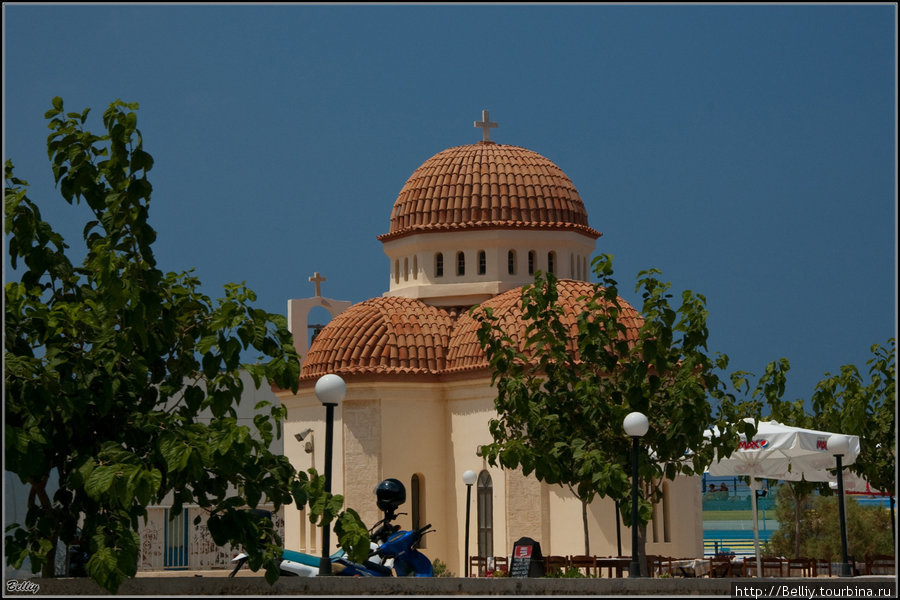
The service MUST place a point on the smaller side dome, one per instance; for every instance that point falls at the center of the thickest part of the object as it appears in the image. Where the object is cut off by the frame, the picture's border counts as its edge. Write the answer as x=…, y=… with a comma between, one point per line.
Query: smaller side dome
x=465, y=352
x=382, y=335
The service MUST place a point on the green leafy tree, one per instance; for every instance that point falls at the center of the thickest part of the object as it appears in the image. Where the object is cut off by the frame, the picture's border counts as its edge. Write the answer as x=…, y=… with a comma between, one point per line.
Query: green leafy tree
x=868, y=527
x=852, y=405
x=109, y=364
x=562, y=394
x=844, y=403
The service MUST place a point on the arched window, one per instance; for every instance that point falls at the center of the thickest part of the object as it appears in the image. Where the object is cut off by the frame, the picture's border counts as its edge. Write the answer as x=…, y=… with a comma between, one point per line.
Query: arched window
x=416, y=266
x=417, y=506
x=460, y=263
x=485, y=515
x=531, y=262
x=405, y=269
x=397, y=271
x=482, y=262
x=551, y=262
x=511, y=262
x=438, y=265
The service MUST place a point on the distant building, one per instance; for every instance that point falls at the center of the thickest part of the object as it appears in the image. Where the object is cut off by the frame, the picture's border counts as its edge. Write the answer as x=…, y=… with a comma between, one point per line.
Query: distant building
x=165, y=543
x=176, y=543
x=471, y=226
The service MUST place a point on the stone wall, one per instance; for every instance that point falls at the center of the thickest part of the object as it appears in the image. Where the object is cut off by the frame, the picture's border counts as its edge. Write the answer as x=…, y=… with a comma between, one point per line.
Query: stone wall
x=202, y=551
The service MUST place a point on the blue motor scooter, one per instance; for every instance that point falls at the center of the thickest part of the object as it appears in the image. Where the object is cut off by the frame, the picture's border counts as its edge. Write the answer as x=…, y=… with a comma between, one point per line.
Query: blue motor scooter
x=390, y=547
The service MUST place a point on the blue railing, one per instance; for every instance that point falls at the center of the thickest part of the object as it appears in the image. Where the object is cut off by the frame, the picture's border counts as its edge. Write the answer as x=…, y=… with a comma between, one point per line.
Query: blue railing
x=735, y=536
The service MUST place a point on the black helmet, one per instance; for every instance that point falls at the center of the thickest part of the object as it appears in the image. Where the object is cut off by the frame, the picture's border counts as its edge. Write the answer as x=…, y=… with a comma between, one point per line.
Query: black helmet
x=390, y=494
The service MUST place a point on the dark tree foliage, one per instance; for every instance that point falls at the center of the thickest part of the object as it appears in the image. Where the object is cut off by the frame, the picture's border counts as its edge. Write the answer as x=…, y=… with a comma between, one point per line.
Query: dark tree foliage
x=868, y=528
x=855, y=405
x=561, y=404
x=109, y=364
x=844, y=403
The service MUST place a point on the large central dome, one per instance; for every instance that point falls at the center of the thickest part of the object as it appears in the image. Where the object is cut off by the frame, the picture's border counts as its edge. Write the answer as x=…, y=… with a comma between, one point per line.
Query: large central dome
x=487, y=186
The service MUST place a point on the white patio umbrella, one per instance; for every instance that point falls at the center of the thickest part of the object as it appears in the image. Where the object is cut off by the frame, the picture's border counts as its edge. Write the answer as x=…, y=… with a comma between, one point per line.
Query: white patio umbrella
x=782, y=452
x=854, y=484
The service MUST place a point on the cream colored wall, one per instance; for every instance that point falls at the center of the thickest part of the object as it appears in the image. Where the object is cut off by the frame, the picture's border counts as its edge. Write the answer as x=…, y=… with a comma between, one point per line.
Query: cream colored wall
x=567, y=528
x=305, y=411
x=572, y=250
x=685, y=522
x=381, y=430
x=470, y=405
x=527, y=503
x=685, y=519
x=396, y=429
x=416, y=442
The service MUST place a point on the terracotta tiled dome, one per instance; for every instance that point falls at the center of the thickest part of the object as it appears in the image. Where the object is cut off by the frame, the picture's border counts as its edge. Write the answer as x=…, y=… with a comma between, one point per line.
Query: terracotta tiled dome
x=396, y=335
x=382, y=335
x=487, y=186
x=465, y=352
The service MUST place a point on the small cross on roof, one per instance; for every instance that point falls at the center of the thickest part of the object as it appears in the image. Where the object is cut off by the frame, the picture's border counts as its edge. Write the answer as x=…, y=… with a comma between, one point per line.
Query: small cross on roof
x=486, y=126
x=317, y=279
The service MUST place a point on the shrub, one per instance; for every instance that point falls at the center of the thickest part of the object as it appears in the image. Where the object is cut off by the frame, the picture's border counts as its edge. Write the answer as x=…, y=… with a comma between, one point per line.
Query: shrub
x=868, y=528
x=440, y=568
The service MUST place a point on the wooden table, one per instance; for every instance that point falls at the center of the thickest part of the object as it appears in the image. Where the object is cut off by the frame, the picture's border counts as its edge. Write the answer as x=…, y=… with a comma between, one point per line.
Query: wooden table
x=691, y=567
x=612, y=565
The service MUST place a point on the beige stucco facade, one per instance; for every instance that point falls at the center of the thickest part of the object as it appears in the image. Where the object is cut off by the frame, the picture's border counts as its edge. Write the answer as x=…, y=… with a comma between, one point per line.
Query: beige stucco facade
x=398, y=429
x=413, y=272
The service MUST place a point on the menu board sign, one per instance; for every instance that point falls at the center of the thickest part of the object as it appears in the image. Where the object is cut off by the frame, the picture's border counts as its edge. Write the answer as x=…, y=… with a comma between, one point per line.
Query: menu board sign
x=526, y=559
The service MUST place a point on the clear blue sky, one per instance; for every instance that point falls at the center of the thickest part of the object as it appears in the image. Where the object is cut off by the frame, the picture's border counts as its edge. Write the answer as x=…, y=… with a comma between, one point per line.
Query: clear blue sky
x=749, y=152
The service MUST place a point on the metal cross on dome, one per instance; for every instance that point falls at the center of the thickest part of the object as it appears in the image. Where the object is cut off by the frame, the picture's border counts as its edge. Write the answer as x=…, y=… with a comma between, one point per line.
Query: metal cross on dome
x=486, y=126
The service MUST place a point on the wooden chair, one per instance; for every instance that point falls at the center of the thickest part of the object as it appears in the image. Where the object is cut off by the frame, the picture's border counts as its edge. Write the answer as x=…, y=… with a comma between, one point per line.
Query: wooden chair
x=588, y=564
x=654, y=565
x=799, y=567
x=720, y=566
x=748, y=569
x=479, y=563
x=881, y=564
x=555, y=562
x=664, y=566
x=501, y=563
x=821, y=567
x=615, y=567
x=772, y=567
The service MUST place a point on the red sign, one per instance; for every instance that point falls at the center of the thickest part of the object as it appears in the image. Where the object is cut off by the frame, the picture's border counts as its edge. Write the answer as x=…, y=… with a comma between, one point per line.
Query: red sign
x=821, y=444
x=523, y=551
x=753, y=445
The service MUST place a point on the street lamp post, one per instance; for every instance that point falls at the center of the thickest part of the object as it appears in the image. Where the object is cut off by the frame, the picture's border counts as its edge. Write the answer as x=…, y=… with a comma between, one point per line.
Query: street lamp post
x=636, y=426
x=839, y=445
x=330, y=390
x=468, y=478
x=618, y=529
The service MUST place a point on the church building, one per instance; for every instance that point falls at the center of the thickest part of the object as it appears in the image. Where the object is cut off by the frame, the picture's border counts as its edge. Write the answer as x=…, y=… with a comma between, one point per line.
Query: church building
x=470, y=226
